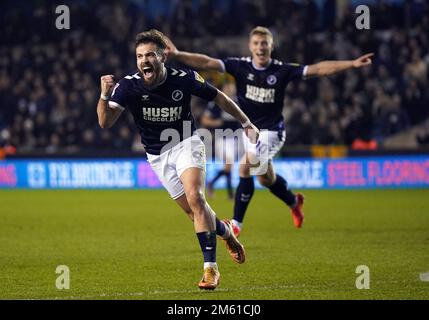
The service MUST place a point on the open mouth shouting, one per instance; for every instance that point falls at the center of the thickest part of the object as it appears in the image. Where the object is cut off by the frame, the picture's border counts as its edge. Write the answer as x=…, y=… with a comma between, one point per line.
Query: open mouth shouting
x=261, y=55
x=148, y=72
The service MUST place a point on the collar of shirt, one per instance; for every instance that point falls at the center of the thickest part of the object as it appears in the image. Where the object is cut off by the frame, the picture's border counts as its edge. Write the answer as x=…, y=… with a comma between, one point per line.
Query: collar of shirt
x=263, y=68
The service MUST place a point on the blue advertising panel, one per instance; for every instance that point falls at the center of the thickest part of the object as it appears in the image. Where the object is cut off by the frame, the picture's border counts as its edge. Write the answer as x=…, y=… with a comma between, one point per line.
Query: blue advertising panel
x=375, y=172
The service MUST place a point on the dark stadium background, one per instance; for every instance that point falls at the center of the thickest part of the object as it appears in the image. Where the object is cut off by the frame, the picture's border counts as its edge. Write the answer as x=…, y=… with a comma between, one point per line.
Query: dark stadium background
x=49, y=78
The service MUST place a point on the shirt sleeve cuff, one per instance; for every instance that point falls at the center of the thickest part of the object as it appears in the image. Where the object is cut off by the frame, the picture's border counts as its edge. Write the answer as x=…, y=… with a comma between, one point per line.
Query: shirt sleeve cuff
x=304, y=72
x=115, y=105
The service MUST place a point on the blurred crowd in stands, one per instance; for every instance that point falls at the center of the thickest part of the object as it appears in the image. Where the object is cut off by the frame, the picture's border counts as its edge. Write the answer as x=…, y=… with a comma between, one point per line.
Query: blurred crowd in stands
x=49, y=78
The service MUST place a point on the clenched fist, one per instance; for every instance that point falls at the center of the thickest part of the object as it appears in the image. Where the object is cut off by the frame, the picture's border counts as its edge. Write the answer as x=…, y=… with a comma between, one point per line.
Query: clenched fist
x=107, y=84
x=170, y=50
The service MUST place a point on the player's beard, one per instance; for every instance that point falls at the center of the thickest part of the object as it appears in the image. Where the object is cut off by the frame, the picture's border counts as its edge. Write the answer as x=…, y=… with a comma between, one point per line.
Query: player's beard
x=153, y=77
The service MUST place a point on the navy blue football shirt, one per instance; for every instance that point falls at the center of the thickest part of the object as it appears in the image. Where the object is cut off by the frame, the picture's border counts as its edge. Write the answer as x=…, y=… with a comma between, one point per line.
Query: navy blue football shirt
x=166, y=106
x=261, y=91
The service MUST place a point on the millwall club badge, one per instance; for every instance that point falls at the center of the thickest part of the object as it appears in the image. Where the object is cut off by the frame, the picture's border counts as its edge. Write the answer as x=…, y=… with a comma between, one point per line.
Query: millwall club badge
x=177, y=95
x=271, y=80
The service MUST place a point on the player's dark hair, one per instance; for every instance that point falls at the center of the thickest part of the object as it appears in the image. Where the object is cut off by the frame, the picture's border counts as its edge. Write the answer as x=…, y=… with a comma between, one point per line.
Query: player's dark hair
x=153, y=36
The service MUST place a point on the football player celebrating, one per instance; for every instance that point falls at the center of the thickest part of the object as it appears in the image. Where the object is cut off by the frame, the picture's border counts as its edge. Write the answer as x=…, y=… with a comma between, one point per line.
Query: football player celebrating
x=261, y=82
x=159, y=99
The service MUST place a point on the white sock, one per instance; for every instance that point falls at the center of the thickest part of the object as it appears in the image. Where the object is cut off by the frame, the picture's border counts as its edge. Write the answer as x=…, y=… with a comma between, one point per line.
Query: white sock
x=237, y=224
x=210, y=265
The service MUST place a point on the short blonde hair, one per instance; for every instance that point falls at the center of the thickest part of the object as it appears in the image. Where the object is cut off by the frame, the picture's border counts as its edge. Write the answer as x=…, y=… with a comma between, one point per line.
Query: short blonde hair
x=261, y=31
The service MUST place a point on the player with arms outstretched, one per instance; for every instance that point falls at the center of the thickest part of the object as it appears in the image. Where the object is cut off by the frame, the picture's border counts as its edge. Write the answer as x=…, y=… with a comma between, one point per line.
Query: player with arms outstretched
x=159, y=99
x=261, y=83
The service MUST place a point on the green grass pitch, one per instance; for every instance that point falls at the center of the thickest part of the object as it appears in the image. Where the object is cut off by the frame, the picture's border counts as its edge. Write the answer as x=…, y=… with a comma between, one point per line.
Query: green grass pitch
x=139, y=245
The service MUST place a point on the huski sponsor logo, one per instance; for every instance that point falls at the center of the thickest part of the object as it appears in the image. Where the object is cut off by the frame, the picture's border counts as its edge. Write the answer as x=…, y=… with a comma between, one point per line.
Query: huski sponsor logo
x=260, y=94
x=162, y=114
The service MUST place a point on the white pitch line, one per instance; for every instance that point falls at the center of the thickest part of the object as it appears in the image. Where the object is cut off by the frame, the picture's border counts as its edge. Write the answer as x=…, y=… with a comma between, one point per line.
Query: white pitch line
x=158, y=292
x=195, y=291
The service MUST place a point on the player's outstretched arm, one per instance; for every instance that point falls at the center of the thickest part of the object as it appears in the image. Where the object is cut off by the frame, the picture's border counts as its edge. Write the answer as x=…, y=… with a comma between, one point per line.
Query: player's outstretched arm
x=194, y=60
x=327, y=68
x=228, y=105
x=107, y=116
